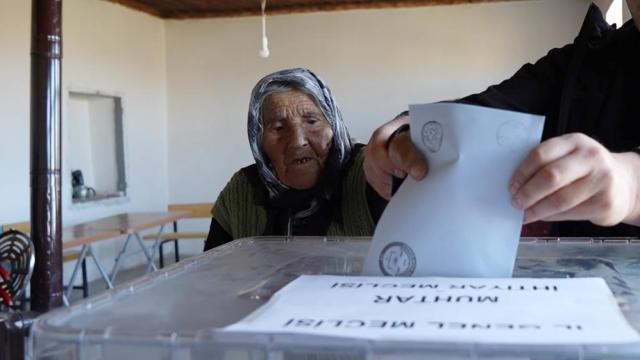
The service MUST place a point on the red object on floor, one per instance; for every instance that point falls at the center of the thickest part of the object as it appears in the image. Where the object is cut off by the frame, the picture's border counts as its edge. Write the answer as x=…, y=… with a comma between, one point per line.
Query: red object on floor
x=4, y=294
x=4, y=274
x=6, y=297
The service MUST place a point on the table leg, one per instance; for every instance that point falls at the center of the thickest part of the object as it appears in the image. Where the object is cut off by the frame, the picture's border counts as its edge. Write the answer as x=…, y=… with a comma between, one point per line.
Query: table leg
x=83, y=253
x=103, y=273
x=119, y=259
x=151, y=266
x=156, y=245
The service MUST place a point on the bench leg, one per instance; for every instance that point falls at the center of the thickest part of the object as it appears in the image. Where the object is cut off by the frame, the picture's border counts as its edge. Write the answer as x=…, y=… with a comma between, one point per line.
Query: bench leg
x=176, y=252
x=85, y=282
x=161, y=254
x=67, y=293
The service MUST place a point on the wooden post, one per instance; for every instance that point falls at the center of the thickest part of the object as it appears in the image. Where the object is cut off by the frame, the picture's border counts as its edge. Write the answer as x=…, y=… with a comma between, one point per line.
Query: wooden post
x=46, y=209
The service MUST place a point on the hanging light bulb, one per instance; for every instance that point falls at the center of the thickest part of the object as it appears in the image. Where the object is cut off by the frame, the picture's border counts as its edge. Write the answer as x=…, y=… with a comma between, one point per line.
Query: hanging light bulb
x=264, y=51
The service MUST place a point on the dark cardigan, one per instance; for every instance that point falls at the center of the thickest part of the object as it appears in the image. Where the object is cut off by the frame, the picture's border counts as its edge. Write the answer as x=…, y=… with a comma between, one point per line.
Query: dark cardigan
x=243, y=208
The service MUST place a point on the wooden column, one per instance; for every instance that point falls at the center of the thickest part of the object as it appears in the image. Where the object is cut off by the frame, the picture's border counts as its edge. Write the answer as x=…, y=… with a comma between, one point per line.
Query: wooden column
x=46, y=210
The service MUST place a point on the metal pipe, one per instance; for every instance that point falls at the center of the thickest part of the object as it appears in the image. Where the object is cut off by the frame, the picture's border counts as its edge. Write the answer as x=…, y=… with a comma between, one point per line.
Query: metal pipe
x=46, y=209
x=14, y=328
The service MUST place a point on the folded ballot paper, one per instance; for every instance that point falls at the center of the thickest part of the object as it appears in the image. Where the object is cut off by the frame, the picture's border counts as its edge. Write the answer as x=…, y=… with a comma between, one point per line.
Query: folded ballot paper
x=458, y=220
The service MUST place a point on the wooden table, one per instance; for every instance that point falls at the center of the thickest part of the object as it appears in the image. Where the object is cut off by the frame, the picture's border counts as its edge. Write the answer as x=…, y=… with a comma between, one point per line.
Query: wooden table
x=78, y=235
x=129, y=224
x=83, y=235
x=133, y=222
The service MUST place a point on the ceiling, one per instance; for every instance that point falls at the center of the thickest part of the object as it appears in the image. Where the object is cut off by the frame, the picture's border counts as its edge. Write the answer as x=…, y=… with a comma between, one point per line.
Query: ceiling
x=185, y=9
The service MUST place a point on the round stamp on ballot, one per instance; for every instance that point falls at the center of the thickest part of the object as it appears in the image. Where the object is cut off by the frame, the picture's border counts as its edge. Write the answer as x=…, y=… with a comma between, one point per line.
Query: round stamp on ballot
x=397, y=259
x=432, y=134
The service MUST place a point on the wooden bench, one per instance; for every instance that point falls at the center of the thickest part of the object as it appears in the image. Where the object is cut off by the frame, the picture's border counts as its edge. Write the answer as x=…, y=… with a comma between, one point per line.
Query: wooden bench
x=197, y=210
x=67, y=255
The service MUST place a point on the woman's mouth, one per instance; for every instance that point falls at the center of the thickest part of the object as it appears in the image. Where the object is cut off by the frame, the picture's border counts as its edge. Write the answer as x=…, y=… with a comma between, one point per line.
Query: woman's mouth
x=301, y=161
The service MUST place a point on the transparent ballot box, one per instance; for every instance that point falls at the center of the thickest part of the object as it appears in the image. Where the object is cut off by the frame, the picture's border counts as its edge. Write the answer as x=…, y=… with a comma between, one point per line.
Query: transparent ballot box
x=177, y=313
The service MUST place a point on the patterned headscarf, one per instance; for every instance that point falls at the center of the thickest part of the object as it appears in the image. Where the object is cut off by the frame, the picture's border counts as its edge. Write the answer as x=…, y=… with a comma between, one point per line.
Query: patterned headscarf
x=306, y=81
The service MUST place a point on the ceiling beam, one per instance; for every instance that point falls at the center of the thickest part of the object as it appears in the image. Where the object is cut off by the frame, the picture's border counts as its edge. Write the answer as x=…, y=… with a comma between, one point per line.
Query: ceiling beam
x=140, y=7
x=276, y=10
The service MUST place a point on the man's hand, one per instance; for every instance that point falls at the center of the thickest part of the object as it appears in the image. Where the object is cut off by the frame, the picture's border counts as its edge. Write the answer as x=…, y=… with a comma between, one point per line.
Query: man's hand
x=380, y=163
x=573, y=177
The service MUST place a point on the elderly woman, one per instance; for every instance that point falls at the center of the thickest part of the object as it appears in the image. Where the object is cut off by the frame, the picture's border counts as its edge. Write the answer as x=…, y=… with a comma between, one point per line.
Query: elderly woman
x=307, y=178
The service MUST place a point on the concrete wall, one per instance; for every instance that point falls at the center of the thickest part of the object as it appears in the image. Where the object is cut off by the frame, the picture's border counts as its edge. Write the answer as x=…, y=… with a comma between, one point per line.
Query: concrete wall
x=107, y=48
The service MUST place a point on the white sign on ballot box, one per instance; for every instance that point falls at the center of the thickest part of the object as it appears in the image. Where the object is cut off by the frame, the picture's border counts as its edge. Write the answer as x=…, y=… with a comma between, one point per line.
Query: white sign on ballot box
x=467, y=310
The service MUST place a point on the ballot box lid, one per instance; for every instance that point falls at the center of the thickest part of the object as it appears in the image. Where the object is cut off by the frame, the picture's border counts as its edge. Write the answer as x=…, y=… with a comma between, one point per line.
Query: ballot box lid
x=177, y=312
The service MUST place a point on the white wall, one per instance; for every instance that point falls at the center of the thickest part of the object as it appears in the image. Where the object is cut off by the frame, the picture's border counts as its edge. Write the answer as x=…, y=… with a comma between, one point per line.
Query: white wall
x=90, y=143
x=15, y=34
x=103, y=133
x=107, y=48
x=375, y=61
x=615, y=11
x=78, y=140
x=114, y=50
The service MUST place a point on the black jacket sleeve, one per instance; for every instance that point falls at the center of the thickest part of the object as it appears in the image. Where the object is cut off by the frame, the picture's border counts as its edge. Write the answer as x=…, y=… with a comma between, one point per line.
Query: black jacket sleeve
x=534, y=88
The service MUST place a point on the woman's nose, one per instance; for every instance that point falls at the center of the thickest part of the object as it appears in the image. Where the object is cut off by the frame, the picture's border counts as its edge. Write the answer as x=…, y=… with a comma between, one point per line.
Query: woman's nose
x=298, y=136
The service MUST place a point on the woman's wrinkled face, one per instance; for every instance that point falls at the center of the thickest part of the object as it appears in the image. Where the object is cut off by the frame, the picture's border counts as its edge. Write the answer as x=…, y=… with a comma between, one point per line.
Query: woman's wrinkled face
x=296, y=138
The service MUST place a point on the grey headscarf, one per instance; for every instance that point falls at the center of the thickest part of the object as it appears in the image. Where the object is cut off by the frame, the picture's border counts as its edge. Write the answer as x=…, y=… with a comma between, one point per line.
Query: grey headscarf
x=309, y=83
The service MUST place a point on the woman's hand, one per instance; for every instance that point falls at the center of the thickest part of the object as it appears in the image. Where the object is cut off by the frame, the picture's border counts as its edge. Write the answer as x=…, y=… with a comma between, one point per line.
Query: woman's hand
x=573, y=177
x=401, y=157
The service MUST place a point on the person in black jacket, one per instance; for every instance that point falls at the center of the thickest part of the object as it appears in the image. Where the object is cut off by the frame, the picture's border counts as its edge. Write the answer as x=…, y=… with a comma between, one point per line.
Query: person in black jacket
x=585, y=175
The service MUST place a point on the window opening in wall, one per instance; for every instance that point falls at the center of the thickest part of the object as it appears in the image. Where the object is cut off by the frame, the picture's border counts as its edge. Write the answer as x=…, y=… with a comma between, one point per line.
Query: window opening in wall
x=95, y=147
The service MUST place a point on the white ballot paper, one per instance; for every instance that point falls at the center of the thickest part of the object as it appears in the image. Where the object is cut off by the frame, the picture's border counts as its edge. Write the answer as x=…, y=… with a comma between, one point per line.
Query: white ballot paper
x=458, y=220
x=461, y=310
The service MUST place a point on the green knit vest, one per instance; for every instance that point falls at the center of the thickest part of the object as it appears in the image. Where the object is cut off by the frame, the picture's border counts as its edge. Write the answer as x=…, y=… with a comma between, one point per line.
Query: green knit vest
x=237, y=213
